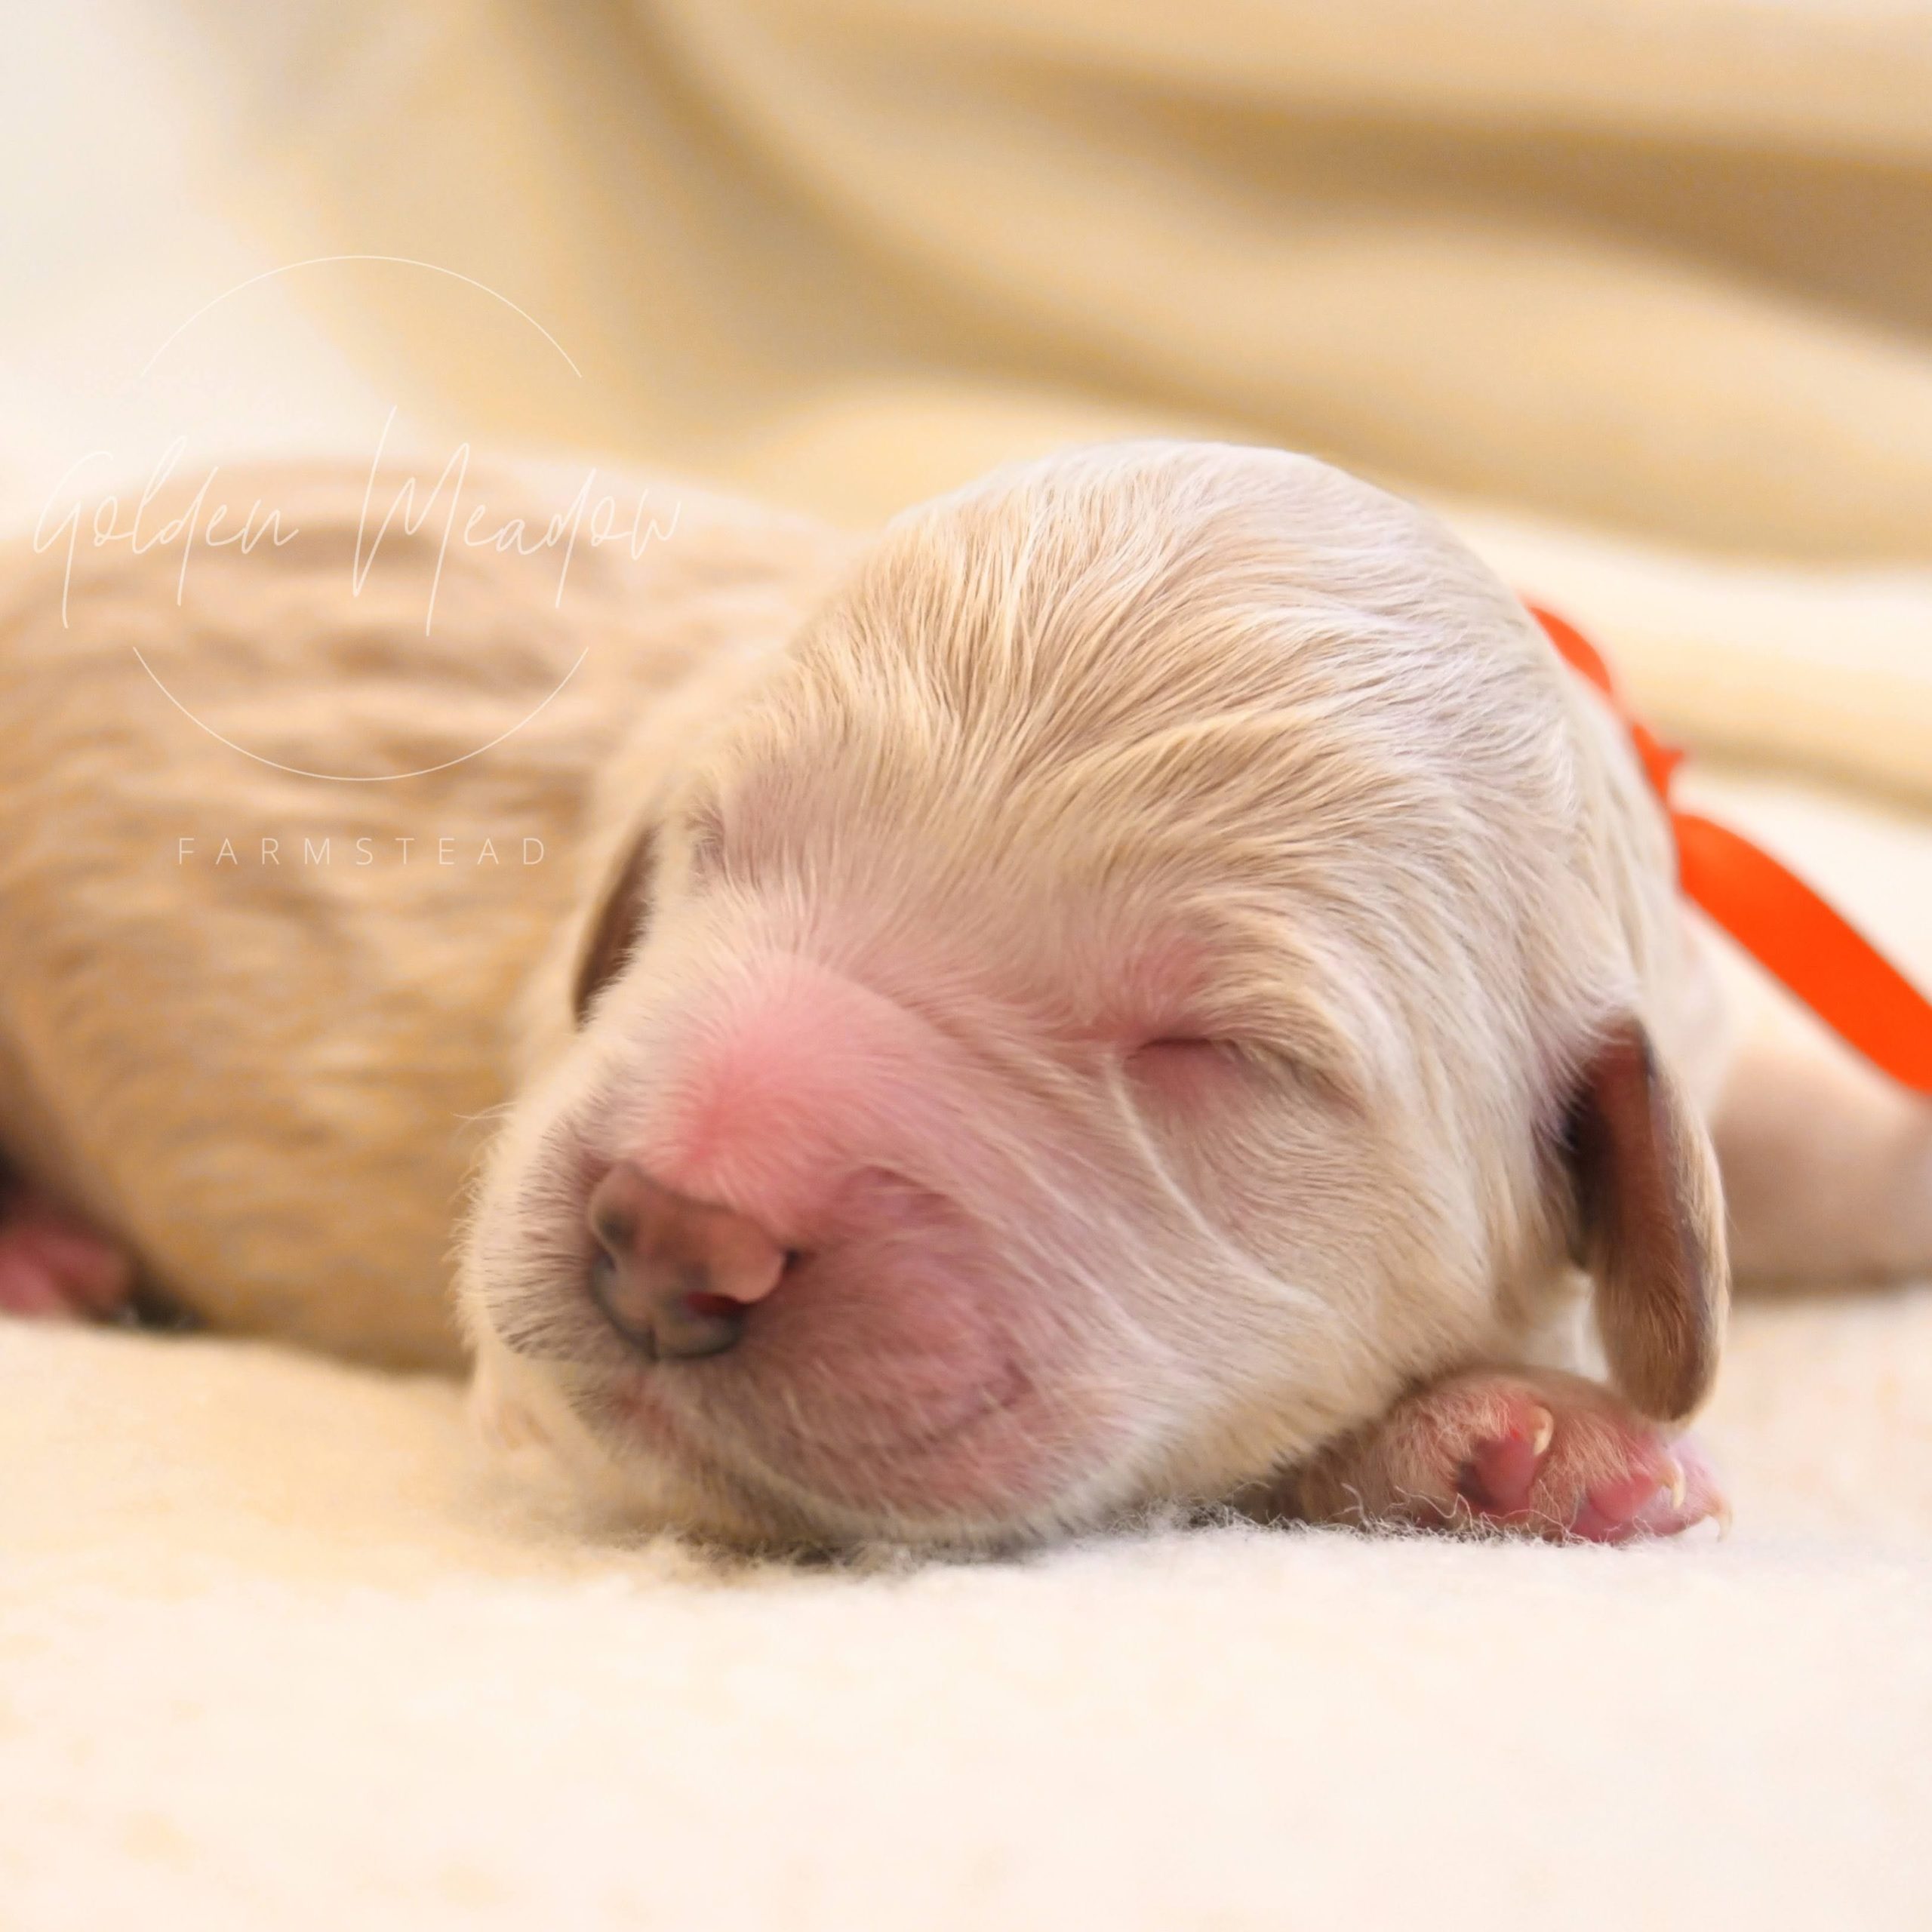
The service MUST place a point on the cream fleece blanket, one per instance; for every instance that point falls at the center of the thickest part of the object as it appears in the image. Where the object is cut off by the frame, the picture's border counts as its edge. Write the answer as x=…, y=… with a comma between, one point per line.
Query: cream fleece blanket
x=1639, y=294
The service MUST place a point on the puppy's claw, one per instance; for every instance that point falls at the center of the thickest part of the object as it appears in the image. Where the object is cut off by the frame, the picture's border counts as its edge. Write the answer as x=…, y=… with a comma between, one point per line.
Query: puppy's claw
x=1542, y=1433
x=1675, y=1481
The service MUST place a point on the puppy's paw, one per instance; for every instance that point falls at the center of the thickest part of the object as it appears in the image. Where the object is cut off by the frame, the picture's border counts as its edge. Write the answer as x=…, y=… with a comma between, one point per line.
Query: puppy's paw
x=1532, y=1452
x=54, y=1267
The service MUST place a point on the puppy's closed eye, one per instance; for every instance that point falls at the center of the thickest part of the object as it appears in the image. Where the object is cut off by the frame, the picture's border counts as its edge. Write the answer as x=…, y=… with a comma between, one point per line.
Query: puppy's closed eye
x=1185, y=1066
x=1179, y=1053
x=1184, y=1075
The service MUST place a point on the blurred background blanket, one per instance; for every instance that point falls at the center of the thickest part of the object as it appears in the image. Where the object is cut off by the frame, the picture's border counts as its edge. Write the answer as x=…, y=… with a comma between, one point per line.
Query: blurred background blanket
x=1640, y=297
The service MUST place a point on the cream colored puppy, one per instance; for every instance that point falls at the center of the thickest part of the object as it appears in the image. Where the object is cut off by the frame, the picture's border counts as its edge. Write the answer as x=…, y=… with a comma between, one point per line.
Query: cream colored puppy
x=1147, y=982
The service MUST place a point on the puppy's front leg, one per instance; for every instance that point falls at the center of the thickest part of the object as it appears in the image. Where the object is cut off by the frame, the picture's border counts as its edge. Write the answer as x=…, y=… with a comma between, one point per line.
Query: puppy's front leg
x=1827, y=1164
x=1531, y=1451
x=54, y=1266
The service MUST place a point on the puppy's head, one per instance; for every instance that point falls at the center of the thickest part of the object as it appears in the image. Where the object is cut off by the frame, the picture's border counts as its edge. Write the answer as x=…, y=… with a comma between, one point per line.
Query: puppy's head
x=1145, y=973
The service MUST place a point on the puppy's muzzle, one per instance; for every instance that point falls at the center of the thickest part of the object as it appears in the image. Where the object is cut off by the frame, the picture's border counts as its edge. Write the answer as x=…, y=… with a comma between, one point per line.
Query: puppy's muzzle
x=676, y=1278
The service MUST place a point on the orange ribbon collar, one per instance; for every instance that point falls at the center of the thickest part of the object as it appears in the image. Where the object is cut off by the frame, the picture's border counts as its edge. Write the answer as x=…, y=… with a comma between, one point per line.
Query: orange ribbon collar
x=1771, y=912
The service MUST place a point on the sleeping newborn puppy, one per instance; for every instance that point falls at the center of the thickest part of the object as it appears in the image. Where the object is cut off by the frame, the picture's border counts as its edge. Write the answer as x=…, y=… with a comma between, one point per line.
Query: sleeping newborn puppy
x=1148, y=982
x=1156, y=992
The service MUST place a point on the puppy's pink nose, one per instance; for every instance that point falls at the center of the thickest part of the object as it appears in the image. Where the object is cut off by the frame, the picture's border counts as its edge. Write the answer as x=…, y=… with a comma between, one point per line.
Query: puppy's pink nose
x=673, y=1276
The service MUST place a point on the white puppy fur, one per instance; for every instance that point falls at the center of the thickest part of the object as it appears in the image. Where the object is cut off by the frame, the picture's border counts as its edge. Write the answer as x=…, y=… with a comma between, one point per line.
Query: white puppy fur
x=1157, y=939
x=1248, y=889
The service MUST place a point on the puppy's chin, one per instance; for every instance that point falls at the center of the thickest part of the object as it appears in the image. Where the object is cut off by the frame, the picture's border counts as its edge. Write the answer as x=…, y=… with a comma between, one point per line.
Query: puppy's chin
x=980, y=1469
x=901, y=1384
x=980, y=1482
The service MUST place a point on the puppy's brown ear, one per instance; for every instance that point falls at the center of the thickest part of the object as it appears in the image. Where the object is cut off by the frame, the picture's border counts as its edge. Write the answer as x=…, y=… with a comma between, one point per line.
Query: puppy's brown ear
x=1649, y=1224
x=618, y=924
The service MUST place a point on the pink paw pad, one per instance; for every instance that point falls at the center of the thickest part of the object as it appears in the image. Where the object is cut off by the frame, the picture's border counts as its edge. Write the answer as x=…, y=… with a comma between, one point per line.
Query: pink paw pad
x=1558, y=1457
x=53, y=1267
